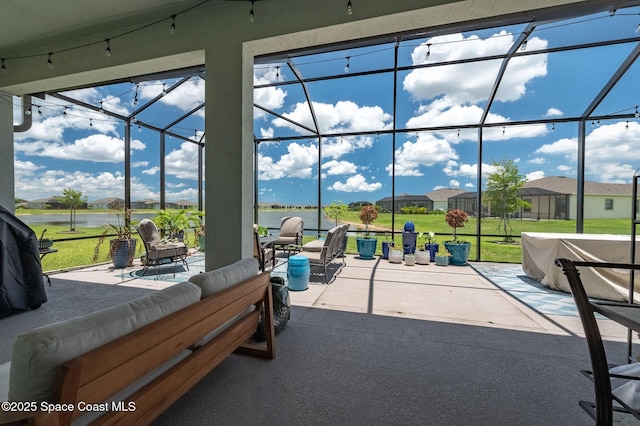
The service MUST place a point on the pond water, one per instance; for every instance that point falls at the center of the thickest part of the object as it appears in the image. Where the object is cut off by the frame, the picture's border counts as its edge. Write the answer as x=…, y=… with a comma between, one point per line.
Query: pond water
x=83, y=220
x=268, y=218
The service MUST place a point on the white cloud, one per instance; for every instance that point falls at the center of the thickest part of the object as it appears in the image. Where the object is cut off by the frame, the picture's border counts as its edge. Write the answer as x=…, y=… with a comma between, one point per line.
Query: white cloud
x=469, y=185
x=96, y=148
x=266, y=133
x=610, y=152
x=454, y=183
x=183, y=162
x=467, y=170
x=344, y=116
x=426, y=151
x=334, y=167
x=152, y=171
x=355, y=183
x=537, y=160
x=554, y=112
x=271, y=98
x=298, y=162
x=461, y=84
x=538, y=174
x=137, y=164
x=185, y=97
x=336, y=148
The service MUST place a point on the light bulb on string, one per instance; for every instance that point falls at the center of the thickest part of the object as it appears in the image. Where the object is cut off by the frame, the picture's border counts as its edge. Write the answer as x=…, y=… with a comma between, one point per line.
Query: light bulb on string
x=50, y=62
x=172, y=28
x=107, y=51
x=139, y=128
x=91, y=122
x=251, y=14
x=347, y=66
x=553, y=126
x=277, y=73
x=637, y=114
x=349, y=8
x=65, y=111
x=101, y=110
x=428, y=55
x=523, y=46
x=3, y=68
x=164, y=89
x=28, y=111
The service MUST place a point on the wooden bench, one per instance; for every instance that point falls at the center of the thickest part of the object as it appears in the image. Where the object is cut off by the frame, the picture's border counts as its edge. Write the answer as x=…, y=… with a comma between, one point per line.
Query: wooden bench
x=164, y=359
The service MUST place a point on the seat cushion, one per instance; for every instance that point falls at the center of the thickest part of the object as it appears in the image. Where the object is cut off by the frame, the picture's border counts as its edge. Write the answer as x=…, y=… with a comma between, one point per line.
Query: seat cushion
x=214, y=281
x=315, y=245
x=38, y=354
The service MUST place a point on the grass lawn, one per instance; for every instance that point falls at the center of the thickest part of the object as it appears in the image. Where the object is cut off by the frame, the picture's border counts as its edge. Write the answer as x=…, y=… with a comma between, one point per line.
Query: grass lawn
x=79, y=248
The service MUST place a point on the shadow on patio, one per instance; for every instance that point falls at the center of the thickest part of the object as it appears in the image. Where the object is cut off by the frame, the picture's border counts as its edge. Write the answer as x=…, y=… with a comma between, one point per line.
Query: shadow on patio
x=383, y=344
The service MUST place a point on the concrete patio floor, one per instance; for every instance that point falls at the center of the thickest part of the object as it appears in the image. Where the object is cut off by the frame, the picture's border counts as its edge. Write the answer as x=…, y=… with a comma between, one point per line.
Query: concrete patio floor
x=451, y=294
x=382, y=344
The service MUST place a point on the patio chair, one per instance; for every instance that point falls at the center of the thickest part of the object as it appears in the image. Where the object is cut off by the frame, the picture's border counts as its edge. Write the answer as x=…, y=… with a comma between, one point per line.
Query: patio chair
x=291, y=229
x=626, y=378
x=321, y=252
x=159, y=251
x=263, y=253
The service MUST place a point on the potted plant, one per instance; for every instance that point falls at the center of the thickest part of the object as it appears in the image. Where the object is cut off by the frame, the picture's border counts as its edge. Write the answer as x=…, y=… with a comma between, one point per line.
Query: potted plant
x=367, y=245
x=459, y=249
x=442, y=256
x=431, y=246
x=410, y=259
x=122, y=248
x=386, y=245
x=173, y=224
x=396, y=254
x=421, y=255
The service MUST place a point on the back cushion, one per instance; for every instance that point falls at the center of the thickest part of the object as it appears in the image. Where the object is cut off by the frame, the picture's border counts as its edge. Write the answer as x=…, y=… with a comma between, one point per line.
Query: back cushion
x=214, y=281
x=38, y=354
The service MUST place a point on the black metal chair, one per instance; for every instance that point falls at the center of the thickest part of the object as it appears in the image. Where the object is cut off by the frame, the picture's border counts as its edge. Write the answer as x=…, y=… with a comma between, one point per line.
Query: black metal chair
x=602, y=410
x=159, y=251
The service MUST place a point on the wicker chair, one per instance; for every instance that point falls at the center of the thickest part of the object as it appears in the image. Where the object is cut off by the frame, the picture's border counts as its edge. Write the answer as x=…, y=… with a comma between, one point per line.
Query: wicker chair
x=159, y=251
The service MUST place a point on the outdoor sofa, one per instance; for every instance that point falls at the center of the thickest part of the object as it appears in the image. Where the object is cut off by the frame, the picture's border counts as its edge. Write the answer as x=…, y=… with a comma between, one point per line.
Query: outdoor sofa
x=322, y=251
x=131, y=361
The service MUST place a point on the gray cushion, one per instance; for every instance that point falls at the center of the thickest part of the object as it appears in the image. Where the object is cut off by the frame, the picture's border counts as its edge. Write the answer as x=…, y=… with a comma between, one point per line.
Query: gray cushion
x=214, y=281
x=38, y=354
x=4, y=381
x=315, y=245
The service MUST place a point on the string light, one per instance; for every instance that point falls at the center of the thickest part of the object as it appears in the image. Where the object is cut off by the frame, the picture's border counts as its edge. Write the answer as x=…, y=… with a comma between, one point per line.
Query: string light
x=347, y=66
x=107, y=51
x=101, y=110
x=49, y=61
x=164, y=89
x=172, y=28
x=277, y=73
x=65, y=110
x=523, y=46
x=91, y=122
x=349, y=8
x=553, y=126
x=637, y=114
x=28, y=111
x=428, y=55
x=3, y=68
x=251, y=14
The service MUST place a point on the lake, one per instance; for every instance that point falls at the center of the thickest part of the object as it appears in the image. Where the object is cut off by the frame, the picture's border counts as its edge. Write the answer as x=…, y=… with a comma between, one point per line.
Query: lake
x=268, y=218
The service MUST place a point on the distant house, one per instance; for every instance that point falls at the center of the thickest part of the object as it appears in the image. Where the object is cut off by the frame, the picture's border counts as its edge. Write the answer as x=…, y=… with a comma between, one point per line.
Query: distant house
x=45, y=203
x=185, y=204
x=104, y=203
x=404, y=200
x=440, y=197
x=555, y=197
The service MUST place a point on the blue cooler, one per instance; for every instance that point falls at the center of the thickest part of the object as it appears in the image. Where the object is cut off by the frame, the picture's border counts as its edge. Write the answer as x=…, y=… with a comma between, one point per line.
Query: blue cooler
x=298, y=273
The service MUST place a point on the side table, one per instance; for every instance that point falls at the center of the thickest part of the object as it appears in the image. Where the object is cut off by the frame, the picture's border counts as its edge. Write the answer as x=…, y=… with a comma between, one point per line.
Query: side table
x=43, y=253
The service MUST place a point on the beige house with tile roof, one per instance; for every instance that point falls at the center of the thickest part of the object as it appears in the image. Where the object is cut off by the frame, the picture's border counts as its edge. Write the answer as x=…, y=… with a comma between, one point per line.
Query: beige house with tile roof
x=440, y=197
x=555, y=197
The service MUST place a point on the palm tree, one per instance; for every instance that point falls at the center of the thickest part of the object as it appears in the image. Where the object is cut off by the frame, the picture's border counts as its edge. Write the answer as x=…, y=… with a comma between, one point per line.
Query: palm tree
x=72, y=199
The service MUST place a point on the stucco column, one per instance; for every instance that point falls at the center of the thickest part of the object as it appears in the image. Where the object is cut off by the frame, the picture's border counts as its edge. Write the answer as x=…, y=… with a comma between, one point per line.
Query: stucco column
x=7, y=192
x=228, y=158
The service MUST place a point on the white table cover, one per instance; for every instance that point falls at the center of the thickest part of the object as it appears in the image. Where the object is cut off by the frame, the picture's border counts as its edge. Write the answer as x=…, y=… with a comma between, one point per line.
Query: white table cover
x=540, y=249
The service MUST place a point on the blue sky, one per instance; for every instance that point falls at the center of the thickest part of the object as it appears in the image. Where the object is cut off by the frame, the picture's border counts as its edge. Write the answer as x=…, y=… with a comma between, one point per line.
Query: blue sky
x=83, y=150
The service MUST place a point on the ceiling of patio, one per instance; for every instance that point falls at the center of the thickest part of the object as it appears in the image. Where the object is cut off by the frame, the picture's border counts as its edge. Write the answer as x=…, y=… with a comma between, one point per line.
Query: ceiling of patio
x=26, y=25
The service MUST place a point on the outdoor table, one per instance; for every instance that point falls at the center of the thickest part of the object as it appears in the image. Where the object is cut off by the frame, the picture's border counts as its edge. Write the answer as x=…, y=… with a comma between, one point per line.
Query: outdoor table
x=540, y=249
x=43, y=253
